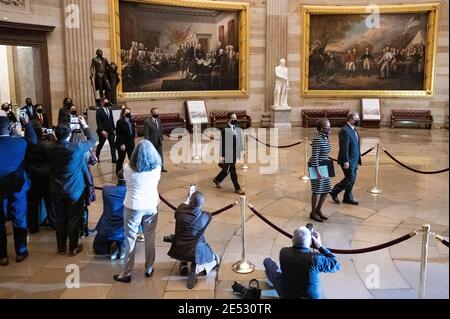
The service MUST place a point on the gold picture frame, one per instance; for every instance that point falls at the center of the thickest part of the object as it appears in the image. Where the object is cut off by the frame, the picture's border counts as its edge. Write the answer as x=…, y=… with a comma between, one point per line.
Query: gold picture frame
x=243, y=11
x=430, y=9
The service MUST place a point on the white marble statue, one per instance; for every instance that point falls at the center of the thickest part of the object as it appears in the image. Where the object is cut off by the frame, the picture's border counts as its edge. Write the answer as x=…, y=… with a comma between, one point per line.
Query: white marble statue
x=281, y=84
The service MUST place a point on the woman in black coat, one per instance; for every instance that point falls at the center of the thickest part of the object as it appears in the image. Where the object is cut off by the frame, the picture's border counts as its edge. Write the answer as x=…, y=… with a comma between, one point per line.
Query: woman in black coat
x=125, y=135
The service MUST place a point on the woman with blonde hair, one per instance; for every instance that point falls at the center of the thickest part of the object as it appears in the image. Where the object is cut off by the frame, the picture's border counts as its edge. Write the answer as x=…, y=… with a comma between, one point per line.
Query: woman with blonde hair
x=142, y=176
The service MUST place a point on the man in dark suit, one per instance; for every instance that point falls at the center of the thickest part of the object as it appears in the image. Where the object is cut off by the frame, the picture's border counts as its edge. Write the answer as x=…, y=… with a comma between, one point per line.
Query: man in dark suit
x=67, y=184
x=41, y=116
x=230, y=152
x=105, y=129
x=153, y=132
x=14, y=185
x=349, y=158
x=28, y=108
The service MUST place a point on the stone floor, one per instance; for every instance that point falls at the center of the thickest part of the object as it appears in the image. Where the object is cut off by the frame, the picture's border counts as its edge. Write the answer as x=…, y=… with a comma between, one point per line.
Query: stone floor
x=408, y=201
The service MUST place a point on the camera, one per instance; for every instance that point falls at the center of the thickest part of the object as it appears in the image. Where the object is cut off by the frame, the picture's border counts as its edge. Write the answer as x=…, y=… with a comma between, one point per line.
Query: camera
x=75, y=124
x=312, y=230
x=47, y=131
x=252, y=292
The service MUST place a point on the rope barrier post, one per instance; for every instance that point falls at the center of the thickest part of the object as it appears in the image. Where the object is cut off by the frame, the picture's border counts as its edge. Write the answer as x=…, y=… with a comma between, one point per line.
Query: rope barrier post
x=245, y=167
x=423, y=260
x=195, y=130
x=376, y=190
x=243, y=266
x=305, y=176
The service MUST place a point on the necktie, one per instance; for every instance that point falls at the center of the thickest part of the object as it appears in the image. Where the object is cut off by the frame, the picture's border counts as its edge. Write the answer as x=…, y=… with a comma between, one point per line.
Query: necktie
x=156, y=123
x=106, y=111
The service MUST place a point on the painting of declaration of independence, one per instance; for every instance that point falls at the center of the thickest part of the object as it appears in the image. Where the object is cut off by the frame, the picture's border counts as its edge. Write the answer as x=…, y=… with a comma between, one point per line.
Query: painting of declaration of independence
x=168, y=48
x=345, y=54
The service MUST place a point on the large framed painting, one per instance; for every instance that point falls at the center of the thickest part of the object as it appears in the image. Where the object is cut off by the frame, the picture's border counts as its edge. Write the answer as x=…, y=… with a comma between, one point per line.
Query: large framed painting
x=174, y=48
x=356, y=51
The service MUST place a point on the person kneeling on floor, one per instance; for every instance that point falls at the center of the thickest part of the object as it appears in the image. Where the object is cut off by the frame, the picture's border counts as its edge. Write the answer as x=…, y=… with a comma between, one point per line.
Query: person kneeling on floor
x=189, y=243
x=110, y=238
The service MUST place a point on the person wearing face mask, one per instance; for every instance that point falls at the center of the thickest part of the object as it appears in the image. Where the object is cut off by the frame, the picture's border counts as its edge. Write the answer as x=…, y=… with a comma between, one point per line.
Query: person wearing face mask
x=29, y=108
x=231, y=150
x=41, y=116
x=349, y=159
x=153, y=132
x=321, y=186
x=64, y=112
x=105, y=129
x=126, y=133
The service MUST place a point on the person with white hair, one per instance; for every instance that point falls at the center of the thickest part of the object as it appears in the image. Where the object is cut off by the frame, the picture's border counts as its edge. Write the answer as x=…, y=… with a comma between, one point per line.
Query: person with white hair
x=298, y=276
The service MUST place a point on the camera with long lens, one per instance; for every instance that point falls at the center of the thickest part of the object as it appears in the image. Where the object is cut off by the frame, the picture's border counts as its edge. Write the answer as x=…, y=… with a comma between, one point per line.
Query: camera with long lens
x=250, y=292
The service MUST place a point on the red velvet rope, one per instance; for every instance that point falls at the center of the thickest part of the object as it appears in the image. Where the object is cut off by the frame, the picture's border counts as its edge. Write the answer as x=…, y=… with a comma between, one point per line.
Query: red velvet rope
x=165, y=201
x=339, y=251
x=413, y=169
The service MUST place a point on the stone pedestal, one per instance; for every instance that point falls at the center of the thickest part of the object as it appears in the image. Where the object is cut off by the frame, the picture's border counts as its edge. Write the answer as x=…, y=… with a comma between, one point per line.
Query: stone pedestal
x=281, y=117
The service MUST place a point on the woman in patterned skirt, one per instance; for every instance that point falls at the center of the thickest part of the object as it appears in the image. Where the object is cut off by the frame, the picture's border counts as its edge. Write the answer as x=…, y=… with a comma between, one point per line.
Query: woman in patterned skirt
x=321, y=186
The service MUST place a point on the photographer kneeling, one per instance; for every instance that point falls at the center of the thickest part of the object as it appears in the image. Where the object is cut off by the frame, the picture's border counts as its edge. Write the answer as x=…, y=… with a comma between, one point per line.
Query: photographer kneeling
x=188, y=243
x=299, y=276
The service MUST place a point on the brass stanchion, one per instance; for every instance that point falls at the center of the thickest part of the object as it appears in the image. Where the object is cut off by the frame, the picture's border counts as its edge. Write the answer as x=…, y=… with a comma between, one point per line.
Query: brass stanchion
x=305, y=176
x=376, y=190
x=423, y=260
x=245, y=167
x=195, y=130
x=243, y=266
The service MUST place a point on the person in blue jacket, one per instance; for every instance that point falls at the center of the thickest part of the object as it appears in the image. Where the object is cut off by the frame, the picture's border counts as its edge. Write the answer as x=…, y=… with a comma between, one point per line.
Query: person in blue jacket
x=14, y=184
x=110, y=238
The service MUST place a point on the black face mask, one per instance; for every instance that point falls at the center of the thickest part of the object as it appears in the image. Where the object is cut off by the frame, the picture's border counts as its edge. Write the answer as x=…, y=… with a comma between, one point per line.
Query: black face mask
x=128, y=115
x=155, y=116
x=326, y=131
x=73, y=112
x=233, y=122
x=40, y=111
x=29, y=103
x=357, y=122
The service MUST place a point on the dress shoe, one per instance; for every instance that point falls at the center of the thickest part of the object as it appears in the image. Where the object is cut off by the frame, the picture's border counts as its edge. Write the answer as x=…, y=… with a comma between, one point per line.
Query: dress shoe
x=351, y=202
x=240, y=192
x=164, y=170
x=184, y=270
x=335, y=198
x=4, y=262
x=76, y=251
x=126, y=279
x=315, y=217
x=217, y=184
x=149, y=274
x=62, y=251
x=192, y=278
x=322, y=216
x=21, y=258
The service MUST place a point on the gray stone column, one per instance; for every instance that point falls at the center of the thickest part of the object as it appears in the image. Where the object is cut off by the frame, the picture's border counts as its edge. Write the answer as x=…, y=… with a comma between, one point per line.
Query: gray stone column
x=276, y=43
x=79, y=51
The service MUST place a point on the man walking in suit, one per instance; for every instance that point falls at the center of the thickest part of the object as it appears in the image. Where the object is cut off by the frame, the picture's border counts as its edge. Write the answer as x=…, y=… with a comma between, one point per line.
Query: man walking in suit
x=230, y=152
x=349, y=158
x=105, y=129
x=28, y=108
x=153, y=132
